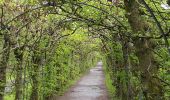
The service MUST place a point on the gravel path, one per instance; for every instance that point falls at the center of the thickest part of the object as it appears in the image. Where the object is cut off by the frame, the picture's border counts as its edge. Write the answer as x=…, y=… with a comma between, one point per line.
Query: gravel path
x=90, y=87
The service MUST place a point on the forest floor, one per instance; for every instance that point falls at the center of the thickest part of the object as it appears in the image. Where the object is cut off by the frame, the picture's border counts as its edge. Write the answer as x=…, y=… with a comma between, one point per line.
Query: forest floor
x=89, y=87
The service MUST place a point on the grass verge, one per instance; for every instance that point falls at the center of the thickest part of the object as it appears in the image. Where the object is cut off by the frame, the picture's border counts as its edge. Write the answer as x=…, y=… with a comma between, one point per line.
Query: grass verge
x=108, y=81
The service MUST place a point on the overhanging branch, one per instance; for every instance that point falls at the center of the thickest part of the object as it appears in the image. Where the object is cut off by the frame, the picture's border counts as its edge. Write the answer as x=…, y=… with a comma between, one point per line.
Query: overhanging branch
x=158, y=24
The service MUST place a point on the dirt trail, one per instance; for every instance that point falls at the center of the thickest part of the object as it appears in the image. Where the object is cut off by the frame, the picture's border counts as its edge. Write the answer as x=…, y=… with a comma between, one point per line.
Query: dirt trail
x=90, y=87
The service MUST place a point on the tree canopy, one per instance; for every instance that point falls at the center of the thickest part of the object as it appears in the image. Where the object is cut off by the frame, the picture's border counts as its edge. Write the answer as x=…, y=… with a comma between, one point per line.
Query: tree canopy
x=48, y=44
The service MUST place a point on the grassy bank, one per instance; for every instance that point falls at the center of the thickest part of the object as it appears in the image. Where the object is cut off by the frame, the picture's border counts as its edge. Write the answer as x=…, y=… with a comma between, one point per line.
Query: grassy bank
x=108, y=81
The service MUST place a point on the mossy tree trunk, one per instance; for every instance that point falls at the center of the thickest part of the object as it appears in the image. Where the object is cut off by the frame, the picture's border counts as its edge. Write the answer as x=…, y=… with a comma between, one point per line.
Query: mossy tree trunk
x=19, y=72
x=3, y=65
x=127, y=92
x=151, y=87
x=36, y=60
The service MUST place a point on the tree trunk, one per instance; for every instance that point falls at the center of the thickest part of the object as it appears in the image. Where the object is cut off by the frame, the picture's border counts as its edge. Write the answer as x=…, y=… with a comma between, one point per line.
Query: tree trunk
x=151, y=88
x=128, y=95
x=34, y=94
x=36, y=60
x=19, y=70
x=3, y=65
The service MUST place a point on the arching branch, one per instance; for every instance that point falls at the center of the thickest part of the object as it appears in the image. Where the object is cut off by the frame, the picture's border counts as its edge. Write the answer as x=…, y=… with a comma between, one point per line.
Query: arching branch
x=158, y=24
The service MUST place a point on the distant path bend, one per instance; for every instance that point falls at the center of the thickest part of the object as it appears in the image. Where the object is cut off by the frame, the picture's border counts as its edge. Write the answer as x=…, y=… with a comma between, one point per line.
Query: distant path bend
x=89, y=87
